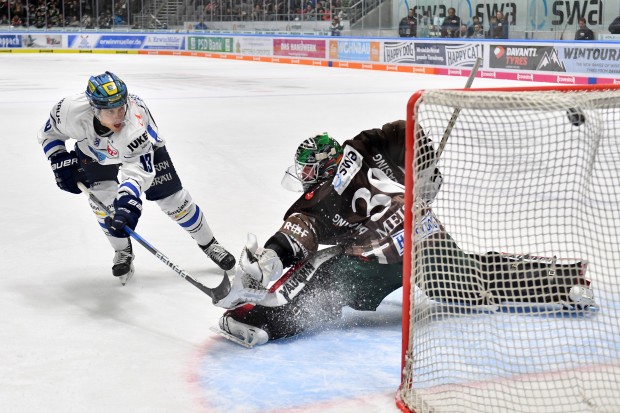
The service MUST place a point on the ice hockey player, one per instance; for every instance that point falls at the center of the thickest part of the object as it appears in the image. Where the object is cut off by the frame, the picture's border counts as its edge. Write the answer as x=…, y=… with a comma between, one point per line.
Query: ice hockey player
x=353, y=200
x=120, y=155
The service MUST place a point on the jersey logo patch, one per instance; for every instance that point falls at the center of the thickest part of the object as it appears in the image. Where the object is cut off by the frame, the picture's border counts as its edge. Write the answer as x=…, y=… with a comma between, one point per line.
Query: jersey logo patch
x=399, y=241
x=99, y=155
x=112, y=153
x=350, y=165
x=426, y=226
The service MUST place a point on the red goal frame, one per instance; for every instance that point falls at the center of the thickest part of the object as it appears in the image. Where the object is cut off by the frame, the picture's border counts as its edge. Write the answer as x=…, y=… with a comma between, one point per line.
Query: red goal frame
x=409, y=182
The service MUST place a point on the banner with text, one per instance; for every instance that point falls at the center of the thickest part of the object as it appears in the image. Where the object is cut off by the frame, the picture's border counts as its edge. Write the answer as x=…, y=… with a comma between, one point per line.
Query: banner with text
x=525, y=57
x=299, y=48
x=358, y=50
x=210, y=44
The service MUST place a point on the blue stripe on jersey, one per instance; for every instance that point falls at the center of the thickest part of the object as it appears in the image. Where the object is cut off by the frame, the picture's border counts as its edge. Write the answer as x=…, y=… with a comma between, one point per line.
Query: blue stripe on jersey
x=193, y=220
x=152, y=133
x=52, y=145
x=131, y=187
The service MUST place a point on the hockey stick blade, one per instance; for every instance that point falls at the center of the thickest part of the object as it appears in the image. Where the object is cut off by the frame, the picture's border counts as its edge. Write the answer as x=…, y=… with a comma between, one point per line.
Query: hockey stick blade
x=216, y=293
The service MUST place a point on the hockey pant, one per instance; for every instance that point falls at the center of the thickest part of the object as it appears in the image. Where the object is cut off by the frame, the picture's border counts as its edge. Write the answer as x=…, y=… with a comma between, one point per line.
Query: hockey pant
x=166, y=190
x=450, y=275
x=340, y=281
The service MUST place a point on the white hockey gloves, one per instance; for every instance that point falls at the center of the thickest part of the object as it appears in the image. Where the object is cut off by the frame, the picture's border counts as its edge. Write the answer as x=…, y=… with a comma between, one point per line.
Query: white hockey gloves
x=243, y=290
x=262, y=264
x=257, y=268
x=428, y=183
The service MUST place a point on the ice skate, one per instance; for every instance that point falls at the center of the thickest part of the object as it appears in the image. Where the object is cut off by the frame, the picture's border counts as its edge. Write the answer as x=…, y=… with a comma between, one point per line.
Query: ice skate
x=123, y=264
x=241, y=333
x=581, y=294
x=219, y=255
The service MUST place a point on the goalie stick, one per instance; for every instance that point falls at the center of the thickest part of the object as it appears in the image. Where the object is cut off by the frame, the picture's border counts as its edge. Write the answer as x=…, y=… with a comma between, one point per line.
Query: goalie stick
x=216, y=293
x=455, y=114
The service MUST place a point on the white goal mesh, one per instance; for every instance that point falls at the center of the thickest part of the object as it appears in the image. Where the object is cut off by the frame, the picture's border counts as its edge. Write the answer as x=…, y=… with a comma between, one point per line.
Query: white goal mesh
x=513, y=304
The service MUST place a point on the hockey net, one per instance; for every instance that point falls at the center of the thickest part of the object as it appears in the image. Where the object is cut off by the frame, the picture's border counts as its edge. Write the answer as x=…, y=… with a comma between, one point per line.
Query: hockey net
x=528, y=182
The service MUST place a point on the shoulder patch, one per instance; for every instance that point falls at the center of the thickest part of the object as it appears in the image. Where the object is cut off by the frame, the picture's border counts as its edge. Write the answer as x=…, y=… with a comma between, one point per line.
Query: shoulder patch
x=350, y=165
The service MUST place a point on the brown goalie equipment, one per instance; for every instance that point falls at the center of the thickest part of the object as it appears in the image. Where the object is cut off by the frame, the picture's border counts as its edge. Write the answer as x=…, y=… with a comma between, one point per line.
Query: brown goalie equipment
x=496, y=278
x=282, y=313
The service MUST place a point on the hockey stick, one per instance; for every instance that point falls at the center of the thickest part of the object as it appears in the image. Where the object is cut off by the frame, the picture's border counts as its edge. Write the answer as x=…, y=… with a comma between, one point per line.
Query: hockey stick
x=563, y=31
x=455, y=114
x=216, y=293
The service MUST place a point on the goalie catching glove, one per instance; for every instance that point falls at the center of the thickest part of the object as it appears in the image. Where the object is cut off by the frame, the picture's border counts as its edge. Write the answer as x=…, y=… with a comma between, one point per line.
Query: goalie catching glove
x=257, y=268
x=262, y=264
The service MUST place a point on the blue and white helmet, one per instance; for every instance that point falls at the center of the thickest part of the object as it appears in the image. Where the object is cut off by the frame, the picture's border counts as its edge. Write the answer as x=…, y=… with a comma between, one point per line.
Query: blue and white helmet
x=106, y=91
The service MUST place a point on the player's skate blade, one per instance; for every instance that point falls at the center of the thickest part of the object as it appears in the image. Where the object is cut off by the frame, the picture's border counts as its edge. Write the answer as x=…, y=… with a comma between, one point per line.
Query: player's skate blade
x=126, y=277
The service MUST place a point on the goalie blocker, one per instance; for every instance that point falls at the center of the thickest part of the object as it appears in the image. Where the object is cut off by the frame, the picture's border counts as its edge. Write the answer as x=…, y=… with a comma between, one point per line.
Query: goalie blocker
x=315, y=291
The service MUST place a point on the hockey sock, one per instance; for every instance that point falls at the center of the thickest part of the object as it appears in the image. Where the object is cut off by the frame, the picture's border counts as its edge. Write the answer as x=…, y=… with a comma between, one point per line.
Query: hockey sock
x=180, y=207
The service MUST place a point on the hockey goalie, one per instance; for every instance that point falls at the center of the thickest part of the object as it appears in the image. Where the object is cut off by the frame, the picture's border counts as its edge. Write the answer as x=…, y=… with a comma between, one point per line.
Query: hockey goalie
x=342, y=242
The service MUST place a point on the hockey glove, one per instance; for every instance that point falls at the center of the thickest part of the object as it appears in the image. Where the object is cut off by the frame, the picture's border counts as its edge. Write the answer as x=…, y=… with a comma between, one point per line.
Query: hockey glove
x=428, y=183
x=262, y=264
x=244, y=290
x=127, y=211
x=67, y=171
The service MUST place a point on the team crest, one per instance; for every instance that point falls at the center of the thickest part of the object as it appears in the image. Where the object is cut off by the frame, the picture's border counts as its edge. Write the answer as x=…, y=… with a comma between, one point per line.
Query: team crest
x=112, y=153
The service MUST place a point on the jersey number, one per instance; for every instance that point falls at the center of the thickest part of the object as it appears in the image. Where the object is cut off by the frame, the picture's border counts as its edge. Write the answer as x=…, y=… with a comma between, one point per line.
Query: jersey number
x=379, y=200
x=147, y=162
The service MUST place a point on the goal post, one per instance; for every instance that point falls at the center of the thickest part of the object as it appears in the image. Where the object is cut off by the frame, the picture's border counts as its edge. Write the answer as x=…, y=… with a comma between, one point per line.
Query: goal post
x=511, y=273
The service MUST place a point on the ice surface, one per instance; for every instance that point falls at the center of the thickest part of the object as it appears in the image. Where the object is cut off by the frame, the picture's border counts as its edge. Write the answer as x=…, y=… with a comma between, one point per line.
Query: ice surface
x=74, y=340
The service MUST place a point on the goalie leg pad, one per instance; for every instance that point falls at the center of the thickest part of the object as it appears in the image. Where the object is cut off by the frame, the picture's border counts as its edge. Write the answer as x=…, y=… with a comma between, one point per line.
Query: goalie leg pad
x=311, y=297
x=526, y=278
x=307, y=310
x=453, y=276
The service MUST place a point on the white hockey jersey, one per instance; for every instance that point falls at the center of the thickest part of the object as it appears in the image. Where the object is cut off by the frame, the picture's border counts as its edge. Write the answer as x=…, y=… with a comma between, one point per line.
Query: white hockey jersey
x=132, y=147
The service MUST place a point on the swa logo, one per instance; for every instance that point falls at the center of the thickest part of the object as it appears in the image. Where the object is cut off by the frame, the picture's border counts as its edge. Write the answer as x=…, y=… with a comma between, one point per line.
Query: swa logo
x=499, y=52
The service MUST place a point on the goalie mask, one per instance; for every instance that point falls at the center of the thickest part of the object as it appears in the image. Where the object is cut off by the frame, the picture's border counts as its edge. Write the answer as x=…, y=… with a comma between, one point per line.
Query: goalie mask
x=106, y=91
x=316, y=160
